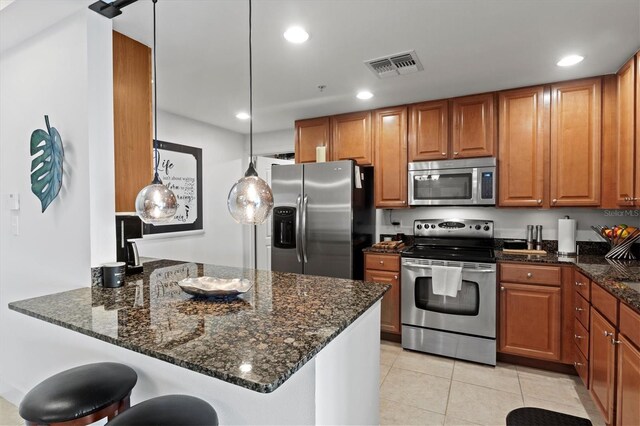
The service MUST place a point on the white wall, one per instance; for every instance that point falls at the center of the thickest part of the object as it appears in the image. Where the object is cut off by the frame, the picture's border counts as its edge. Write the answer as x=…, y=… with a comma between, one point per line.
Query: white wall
x=222, y=157
x=511, y=223
x=48, y=73
x=269, y=143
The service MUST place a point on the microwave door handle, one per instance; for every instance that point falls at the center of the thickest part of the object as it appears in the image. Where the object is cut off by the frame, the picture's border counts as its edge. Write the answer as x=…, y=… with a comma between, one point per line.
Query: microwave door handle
x=298, y=243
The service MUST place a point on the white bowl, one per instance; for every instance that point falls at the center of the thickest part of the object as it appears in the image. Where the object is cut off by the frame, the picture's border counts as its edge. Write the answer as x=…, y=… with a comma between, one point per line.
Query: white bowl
x=215, y=287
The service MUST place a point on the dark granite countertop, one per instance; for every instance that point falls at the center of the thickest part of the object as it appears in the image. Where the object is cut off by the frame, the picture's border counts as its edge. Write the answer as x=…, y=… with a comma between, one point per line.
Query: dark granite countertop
x=620, y=278
x=257, y=341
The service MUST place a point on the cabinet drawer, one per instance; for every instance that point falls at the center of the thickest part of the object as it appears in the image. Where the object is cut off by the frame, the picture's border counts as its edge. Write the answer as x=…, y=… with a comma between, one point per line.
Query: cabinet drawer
x=581, y=337
x=548, y=275
x=582, y=366
x=583, y=285
x=581, y=310
x=383, y=262
x=604, y=302
x=630, y=324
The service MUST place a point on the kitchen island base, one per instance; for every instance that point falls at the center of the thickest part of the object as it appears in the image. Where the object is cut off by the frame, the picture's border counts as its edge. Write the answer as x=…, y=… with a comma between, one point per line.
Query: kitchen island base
x=337, y=386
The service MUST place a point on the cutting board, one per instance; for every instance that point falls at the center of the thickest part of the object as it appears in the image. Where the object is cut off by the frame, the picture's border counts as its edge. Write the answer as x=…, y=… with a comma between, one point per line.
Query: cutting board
x=524, y=251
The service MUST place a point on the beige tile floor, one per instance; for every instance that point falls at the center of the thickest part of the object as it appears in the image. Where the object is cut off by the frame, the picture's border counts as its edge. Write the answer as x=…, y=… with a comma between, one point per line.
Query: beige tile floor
x=420, y=389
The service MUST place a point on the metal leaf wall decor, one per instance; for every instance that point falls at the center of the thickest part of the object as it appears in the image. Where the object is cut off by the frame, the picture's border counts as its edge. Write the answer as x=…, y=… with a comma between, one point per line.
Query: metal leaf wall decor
x=46, y=167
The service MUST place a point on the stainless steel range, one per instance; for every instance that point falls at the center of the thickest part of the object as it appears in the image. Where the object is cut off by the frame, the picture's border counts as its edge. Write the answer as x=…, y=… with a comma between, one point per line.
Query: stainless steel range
x=449, y=290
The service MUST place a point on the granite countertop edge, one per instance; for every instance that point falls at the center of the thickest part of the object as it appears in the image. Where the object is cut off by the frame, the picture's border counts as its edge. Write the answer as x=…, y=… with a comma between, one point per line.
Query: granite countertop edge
x=615, y=287
x=247, y=384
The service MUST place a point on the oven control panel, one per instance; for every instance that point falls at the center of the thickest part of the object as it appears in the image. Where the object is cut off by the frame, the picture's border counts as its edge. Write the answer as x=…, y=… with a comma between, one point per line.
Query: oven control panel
x=458, y=228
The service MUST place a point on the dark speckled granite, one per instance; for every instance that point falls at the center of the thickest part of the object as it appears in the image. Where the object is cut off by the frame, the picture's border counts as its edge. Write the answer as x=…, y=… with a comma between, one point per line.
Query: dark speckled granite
x=620, y=278
x=278, y=326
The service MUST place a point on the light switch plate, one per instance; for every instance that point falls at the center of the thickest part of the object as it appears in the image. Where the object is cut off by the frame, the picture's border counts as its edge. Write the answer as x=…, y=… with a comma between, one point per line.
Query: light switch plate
x=14, y=201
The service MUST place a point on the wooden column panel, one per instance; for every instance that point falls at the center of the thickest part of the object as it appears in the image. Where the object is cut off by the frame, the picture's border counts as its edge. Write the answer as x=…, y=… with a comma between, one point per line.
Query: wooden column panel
x=429, y=131
x=390, y=149
x=133, y=135
x=311, y=134
x=523, y=147
x=351, y=138
x=626, y=153
x=473, y=126
x=575, y=143
x=530, y=321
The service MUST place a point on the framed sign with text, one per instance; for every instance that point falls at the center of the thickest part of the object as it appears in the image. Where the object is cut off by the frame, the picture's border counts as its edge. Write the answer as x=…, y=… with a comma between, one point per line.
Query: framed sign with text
x=180, y=169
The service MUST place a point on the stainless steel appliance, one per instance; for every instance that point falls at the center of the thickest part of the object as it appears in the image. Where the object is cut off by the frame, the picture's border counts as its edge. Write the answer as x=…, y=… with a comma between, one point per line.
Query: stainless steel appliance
x=461, y=326
x=453, y=182
x=323, y=217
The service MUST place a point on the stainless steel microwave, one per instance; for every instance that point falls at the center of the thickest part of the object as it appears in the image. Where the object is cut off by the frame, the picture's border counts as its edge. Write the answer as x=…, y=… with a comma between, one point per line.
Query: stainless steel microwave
x=462, y=182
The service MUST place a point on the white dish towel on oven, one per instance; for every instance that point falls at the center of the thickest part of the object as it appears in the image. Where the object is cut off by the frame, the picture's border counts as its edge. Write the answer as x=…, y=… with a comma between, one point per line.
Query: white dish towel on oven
x=446, y=280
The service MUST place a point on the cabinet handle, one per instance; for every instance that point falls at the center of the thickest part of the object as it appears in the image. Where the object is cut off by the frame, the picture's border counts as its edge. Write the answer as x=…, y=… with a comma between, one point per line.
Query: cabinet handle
x=607, y=334
x=501, y=288
x=577, y=364
x=455, y=152
x=580, y=310
x=554, y=201
x=539, y=201
x=529, y=274
x=635, y=199
x=627, y=198
x=575, y=336
x=615, y=342
x=579, y=284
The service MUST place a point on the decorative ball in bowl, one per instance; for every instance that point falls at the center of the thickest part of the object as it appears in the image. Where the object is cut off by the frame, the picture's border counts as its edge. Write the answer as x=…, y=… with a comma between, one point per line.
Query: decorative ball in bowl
x=223, y=288
x=620, y=238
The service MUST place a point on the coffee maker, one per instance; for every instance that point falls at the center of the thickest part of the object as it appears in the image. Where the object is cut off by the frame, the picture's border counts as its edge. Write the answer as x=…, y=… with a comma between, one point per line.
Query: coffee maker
x=128, y=228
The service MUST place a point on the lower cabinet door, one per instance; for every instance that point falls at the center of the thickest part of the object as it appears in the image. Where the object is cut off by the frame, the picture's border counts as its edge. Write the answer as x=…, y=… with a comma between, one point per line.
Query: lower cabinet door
x=602, y=364
x=390, y=315
x=530, y=320
x=628, y=390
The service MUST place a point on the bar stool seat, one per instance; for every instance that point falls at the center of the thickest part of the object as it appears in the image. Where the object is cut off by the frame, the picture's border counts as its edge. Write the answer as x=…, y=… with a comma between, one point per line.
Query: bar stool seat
x=168, y=410
x=80, y=396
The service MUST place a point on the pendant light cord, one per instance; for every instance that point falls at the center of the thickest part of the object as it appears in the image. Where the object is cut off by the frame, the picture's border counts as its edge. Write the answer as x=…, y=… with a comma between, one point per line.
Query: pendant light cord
x=250, y=91
x=156, y=178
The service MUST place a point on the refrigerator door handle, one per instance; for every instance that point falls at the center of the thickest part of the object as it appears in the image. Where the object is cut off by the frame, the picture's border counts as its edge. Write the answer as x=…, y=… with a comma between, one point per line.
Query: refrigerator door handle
x=298, y=233
x=304, y=227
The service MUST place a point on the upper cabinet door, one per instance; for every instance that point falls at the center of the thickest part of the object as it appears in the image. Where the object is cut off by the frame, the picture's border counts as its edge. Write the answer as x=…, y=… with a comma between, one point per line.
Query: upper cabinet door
x=311, y=134
x=474, y=126
x=429, y=131
x=626, y=134
x=575, y=143
x=351, y=138
x=522, y=147
x=390, y=146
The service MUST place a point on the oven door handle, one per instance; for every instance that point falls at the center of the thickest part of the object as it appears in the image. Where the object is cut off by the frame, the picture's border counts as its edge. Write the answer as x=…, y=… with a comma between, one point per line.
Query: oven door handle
x=417, y=265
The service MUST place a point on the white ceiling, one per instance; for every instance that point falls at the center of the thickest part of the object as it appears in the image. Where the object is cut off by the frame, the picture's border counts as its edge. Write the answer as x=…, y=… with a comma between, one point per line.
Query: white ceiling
x=466, y=46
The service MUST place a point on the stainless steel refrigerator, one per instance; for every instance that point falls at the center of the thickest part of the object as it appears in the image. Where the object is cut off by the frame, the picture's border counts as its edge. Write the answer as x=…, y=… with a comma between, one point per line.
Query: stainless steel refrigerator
x=323, y=217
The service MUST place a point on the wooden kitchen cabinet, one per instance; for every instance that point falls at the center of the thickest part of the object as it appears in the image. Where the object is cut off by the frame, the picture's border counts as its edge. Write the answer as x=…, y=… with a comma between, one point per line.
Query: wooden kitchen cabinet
x=473, y=126
x=385, y=269
x=390, y=150
x=637, y=187
x=575, y=143
x=429, y=131
x=351, y=138
x=530, y=320
x=628, y=383
x=133, y=135
x=311, y=134
x=625, y=190
x=602, y=364
x=523, y=147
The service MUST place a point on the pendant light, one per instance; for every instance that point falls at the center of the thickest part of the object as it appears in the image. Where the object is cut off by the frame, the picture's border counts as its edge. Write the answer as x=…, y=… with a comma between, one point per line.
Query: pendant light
x=155, y=203
x=250, y=200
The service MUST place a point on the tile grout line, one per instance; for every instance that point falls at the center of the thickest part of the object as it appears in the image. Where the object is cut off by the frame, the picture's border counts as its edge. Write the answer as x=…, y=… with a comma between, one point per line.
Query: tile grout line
x=446, y=408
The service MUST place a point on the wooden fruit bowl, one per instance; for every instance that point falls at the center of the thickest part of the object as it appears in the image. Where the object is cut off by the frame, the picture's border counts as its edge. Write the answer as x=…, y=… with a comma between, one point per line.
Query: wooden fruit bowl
x=620, y=247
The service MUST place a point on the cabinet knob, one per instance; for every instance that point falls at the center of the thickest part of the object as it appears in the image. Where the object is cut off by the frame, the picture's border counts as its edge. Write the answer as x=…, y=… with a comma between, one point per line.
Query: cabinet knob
x=579, y=284
x=627, y=198
x=577, y=364
x=529, y=274
x=554, y=201
x=635, y=199
x=382, y=262
x=580, y=310
x=444, y=153
x=501, y=288
x=395, y=276
x=575, y=336
x=607, y=334
x=455, y=152
x=539, y=201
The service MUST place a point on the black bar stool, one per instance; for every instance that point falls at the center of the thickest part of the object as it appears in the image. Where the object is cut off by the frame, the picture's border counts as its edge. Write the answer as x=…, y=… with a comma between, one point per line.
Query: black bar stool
x=168, y=410
x=80, y=396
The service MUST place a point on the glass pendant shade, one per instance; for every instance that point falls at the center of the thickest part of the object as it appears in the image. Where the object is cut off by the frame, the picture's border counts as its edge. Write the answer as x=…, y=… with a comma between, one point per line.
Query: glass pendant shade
x=156, y=204
x=250, y=200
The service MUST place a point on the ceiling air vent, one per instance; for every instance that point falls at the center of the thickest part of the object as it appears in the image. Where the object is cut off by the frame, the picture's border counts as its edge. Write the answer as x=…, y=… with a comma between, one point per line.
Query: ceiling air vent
x=398, y=64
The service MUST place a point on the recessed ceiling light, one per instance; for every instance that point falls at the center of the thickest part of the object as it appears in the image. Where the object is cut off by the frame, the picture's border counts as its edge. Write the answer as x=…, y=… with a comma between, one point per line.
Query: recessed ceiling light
x=243, y=116
x=364, y=95
x=567, y=61
x=296, y=35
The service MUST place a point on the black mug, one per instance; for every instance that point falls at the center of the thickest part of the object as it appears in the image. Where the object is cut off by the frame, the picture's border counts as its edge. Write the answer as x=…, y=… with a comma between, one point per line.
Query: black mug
x=113, y=274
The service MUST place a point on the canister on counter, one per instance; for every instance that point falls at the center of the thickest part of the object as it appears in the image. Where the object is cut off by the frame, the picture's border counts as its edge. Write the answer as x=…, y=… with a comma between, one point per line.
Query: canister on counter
x=113, y=274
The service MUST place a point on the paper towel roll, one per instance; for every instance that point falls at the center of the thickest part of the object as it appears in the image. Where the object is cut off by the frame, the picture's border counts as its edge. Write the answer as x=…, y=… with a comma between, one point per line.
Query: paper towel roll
x=567, y=236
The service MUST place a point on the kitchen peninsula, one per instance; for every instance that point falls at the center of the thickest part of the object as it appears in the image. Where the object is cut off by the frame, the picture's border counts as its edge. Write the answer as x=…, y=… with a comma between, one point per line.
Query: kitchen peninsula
x=293, y=350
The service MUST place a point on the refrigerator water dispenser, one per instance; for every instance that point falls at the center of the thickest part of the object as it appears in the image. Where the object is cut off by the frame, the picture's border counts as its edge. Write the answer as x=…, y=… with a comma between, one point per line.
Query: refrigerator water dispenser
x=284, y=227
